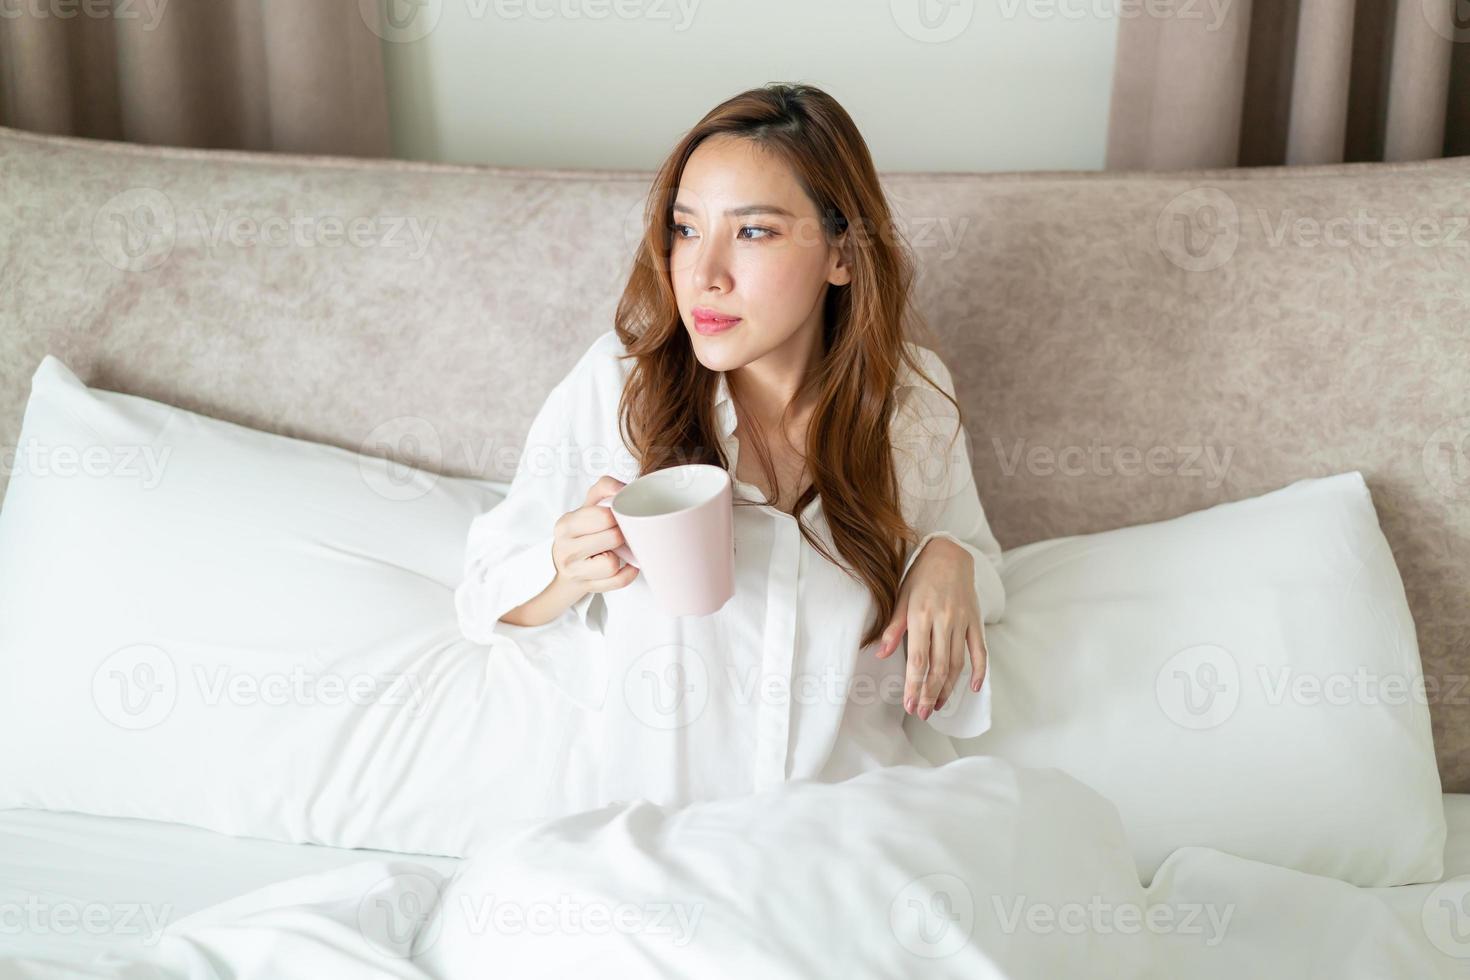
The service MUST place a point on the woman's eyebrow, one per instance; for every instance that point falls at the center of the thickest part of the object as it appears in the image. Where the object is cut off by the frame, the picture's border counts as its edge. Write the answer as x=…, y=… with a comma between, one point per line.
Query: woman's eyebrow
x=743, y=210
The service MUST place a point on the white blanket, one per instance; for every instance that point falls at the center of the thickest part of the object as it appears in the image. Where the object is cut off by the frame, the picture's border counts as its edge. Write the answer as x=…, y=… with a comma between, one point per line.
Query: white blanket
x=976, y=869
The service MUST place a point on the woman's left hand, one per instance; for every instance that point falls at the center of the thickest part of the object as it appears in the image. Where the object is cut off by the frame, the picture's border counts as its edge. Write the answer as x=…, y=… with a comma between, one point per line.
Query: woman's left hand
x=939, y=610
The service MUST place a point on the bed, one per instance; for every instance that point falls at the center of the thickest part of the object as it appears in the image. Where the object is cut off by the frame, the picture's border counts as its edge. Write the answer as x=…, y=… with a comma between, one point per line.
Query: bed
x=1229, y=351
x=146, y=875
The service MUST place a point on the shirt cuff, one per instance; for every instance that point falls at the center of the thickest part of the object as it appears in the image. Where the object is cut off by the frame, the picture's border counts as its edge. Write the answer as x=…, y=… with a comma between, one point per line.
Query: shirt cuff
x=989, y=588
x=566, y=650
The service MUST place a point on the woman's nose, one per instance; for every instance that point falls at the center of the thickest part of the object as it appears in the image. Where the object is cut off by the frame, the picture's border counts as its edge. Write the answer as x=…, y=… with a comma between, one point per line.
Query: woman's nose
x=712, y=268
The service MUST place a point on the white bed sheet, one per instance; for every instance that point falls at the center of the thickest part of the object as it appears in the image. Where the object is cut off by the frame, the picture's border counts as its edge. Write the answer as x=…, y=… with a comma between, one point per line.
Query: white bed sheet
x=1441, y=914
x=1457, y=842
x=72, y=884
x=1287, y=925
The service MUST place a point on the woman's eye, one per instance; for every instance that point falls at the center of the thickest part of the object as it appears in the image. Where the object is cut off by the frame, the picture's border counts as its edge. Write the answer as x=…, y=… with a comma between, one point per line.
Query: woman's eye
x=755, y=232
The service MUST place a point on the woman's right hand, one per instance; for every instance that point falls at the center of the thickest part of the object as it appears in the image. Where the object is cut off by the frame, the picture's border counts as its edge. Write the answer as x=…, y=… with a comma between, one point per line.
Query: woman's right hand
x=583, y=543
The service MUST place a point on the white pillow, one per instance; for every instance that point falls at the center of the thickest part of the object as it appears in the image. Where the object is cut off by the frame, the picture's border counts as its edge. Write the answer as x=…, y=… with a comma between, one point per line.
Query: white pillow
x=207, y=624
x=1245, y=678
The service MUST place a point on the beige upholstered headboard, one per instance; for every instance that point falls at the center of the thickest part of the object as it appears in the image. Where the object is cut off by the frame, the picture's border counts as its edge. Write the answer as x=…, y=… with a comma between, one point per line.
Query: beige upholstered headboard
x=1127, y=347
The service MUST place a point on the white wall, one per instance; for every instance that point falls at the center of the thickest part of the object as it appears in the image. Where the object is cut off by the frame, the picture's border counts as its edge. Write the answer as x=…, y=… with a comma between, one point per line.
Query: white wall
x=957, y=85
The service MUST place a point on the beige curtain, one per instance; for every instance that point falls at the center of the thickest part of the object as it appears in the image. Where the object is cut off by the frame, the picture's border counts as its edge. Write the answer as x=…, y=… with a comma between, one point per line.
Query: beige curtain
x=302, y=76
x=1225, y=83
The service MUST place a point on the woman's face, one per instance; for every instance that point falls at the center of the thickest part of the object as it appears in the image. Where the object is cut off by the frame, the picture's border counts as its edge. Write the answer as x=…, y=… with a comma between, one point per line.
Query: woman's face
x=747, y=242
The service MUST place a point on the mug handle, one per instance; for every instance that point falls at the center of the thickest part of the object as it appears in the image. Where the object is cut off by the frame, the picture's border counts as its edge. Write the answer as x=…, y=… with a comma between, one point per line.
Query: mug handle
x=621, y=550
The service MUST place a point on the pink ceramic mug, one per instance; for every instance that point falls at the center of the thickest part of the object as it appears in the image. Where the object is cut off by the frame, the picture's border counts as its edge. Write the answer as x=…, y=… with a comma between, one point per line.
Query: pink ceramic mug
x=679, y=526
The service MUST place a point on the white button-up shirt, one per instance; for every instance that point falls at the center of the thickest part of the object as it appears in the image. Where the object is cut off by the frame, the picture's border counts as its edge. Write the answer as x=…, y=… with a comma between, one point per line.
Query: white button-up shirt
x=773, y=686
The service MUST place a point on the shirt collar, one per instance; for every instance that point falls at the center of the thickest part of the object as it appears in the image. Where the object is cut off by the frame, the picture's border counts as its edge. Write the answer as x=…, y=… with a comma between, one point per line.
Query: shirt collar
x=725, y=416
x=724, y=407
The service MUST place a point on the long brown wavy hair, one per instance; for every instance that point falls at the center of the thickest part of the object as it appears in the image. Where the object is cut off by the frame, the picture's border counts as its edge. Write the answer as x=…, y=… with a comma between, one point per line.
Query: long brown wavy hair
x=666, y=412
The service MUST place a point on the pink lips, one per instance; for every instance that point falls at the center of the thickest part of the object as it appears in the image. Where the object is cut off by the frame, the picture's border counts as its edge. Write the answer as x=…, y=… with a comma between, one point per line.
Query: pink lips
x=708, y=321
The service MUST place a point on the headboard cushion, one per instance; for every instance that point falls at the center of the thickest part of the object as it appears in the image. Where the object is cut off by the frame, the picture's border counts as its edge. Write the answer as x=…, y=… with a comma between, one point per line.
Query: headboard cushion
x=1127, y=347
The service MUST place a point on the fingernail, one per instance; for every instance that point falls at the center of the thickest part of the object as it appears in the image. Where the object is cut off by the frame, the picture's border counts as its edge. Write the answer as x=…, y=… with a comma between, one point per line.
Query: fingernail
x=939, y=705
x=924, y=713
x=908, y=705
x=975, y=686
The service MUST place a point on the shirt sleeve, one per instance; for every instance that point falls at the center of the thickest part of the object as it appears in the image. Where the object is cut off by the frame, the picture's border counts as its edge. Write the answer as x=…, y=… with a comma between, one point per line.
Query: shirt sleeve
x=940, y=500
x=508, y=553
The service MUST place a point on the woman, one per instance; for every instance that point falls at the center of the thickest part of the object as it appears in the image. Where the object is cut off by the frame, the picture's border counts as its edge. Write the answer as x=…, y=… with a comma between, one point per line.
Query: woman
x=764, y=330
